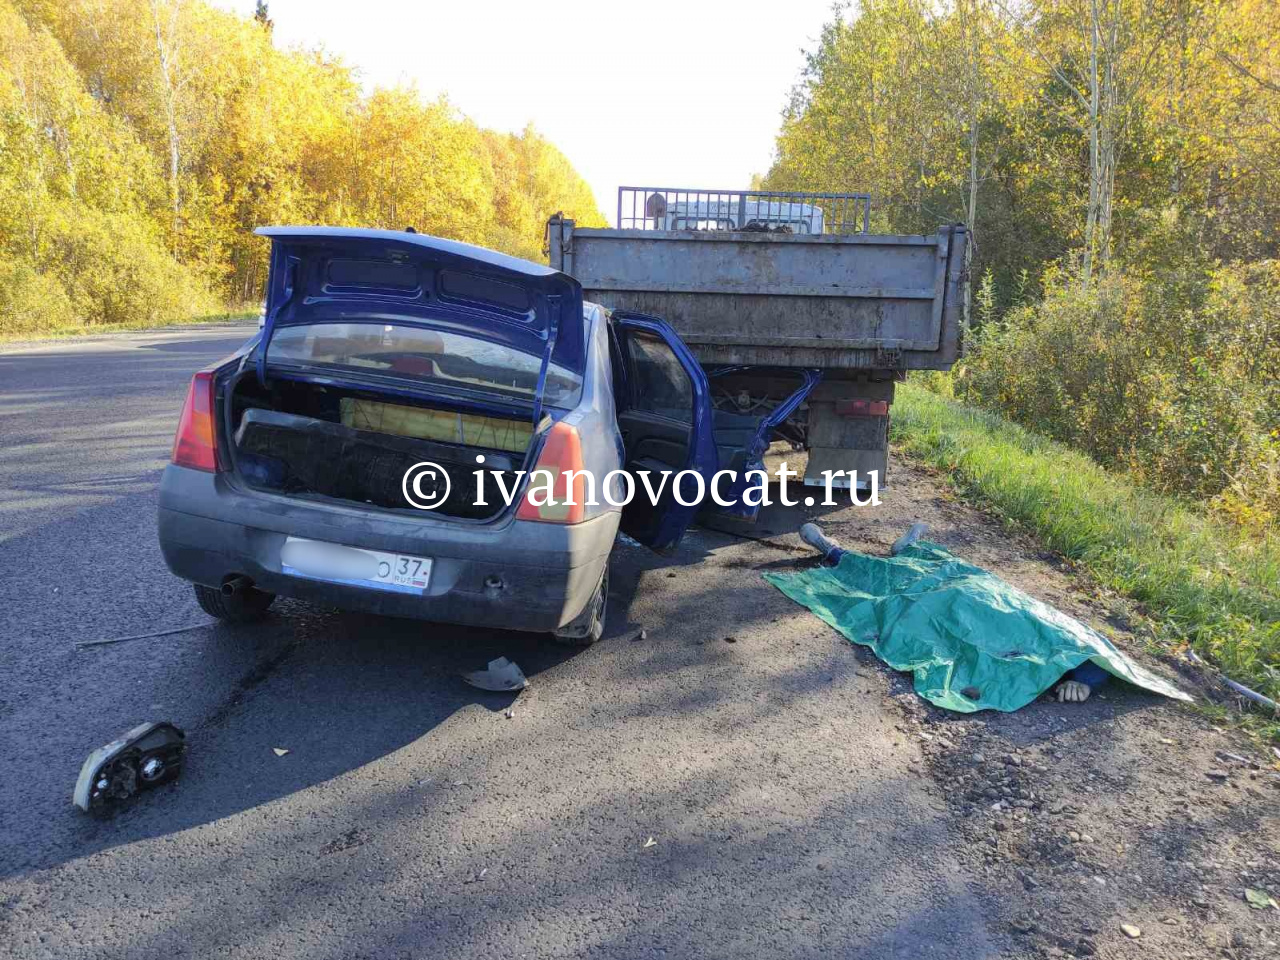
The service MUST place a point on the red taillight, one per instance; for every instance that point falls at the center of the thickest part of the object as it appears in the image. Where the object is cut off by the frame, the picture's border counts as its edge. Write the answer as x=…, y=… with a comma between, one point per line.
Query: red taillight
x=194, y=445
x=561, y=455
x=862, y=408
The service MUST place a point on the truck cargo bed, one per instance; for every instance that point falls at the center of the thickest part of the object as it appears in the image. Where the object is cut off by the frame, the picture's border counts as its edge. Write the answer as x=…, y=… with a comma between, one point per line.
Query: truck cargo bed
x=830, y=301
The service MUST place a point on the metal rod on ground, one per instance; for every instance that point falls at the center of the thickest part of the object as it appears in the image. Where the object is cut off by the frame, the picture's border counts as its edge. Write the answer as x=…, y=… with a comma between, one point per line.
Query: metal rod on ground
x=1237, y=687
x=1255, y=697
x=143, y=636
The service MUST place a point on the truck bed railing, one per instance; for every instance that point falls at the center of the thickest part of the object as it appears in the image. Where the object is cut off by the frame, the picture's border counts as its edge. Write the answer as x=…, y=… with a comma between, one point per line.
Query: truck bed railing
x=763, y=211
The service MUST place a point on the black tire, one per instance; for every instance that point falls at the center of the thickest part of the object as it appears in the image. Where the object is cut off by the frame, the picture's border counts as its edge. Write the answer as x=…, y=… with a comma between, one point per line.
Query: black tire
x=588, y=626
x=248, y=605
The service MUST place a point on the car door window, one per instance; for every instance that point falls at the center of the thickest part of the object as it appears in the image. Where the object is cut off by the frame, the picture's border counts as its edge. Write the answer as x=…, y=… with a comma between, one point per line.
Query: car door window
x=666, y=428
x=660, y=384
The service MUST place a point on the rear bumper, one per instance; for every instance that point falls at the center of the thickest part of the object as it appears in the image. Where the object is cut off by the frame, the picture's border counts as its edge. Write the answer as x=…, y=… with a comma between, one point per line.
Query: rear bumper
x=210, y=530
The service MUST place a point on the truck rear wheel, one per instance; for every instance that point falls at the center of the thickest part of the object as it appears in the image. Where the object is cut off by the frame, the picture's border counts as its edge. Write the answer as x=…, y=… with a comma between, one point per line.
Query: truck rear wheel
x=588, y=626
x=242, y=606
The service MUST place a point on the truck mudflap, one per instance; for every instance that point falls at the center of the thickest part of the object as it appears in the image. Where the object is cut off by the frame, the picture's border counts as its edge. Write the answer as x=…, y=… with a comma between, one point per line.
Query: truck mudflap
x=848, y=433
x=733, y=493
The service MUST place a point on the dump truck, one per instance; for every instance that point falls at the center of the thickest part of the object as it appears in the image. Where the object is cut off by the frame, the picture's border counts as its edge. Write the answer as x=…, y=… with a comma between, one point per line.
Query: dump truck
x=790, y=304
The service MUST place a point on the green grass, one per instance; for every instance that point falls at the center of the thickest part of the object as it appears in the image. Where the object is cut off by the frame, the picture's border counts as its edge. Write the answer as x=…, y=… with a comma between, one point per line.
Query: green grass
x=92, y=329
x=1199, y=581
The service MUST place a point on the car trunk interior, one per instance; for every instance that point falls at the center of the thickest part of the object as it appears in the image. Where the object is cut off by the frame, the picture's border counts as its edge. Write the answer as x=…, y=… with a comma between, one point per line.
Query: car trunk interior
x=316, y=440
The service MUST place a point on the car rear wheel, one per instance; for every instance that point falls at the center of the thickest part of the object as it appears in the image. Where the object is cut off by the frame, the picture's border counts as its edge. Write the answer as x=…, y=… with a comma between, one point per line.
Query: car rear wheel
x=244, y=605
x=588, y=626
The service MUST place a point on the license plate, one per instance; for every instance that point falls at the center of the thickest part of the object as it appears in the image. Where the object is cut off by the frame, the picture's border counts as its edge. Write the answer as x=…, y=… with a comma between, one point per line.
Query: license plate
x=335, y=563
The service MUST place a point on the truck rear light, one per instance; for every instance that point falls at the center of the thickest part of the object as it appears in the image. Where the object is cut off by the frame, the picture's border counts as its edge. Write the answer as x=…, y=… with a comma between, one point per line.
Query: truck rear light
x=561, y=455
x=194, y=444
x=862, y=408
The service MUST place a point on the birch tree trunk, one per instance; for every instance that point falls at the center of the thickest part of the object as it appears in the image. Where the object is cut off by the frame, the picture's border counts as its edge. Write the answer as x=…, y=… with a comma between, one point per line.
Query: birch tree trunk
x=1095, y=147
x=1106, y=124
x=167, y=56
x=971, y=208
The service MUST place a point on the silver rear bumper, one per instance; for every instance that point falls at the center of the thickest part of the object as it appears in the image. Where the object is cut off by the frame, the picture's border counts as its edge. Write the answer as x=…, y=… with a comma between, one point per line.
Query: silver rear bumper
x=511, y=574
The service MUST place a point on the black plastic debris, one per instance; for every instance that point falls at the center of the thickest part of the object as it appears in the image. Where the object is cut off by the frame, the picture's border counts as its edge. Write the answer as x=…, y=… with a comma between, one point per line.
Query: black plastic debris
x=148, y=755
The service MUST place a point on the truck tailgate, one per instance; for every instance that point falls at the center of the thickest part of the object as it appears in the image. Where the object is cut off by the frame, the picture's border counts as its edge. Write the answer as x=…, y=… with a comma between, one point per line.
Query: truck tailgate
x=861, y=301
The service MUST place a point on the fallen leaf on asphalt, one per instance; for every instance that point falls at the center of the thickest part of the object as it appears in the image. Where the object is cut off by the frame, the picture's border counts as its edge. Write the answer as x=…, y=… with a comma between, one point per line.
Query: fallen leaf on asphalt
x=1259, y=899
x=650, y=843
x=279, y=751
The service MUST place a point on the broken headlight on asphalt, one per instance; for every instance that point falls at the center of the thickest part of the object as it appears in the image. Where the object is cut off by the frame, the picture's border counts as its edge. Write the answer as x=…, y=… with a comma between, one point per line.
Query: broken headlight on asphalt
x=146, y=756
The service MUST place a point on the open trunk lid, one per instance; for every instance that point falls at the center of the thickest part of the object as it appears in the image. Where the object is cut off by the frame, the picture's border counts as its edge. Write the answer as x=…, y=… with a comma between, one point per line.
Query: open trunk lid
x=343, y=276
x=383, y=349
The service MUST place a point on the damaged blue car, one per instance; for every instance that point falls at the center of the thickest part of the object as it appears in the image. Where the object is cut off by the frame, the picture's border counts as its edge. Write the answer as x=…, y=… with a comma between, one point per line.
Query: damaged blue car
x=372, y=446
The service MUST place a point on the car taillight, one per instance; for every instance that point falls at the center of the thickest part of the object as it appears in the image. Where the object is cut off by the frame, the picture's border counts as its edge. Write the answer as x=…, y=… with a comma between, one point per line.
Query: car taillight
x=561, y=454
x=854, y=407
x=194, y=445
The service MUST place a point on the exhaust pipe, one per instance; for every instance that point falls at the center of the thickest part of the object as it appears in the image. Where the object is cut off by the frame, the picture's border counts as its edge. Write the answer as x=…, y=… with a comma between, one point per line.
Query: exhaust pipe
x=236, y=585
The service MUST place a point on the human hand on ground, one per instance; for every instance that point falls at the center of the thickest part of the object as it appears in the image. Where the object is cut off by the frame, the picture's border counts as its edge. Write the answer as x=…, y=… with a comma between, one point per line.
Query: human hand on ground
x=1072, y=691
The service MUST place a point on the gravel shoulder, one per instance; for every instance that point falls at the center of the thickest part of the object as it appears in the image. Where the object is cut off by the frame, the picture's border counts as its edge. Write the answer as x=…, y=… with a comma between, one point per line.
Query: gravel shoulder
x=1123, y=812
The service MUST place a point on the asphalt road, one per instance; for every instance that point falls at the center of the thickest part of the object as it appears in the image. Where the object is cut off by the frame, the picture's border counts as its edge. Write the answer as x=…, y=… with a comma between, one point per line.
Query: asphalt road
x=412, y=817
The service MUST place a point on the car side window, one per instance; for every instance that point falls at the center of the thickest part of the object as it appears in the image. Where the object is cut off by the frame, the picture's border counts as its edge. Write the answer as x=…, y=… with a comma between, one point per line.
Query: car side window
x=660, y=384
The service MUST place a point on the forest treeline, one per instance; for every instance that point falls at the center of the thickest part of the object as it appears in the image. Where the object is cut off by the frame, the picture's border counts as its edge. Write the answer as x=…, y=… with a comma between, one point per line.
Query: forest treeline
x=1119, y=163
x=141, y=141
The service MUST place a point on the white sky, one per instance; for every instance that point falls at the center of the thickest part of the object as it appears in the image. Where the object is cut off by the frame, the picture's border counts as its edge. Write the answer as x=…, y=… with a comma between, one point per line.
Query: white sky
x=654, y=93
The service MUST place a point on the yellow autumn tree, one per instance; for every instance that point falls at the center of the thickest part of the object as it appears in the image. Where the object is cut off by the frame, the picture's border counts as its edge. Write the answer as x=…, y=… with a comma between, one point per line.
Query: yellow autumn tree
x=79, y=241
x=141, y=141
x=1119, y=163
x=532, y=181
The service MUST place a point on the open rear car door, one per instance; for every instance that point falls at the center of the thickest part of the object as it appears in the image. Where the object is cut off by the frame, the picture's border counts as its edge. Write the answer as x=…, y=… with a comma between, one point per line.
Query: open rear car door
x=665, y=415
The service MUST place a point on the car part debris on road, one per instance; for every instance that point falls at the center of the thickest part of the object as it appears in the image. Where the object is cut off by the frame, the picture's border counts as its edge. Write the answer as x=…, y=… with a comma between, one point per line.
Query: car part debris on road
x=146, y=756
x=972, y=641
x=501, y=676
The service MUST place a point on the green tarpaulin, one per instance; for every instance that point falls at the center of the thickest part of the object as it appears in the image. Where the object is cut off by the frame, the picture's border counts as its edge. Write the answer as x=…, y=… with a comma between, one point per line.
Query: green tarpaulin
x=973, y=641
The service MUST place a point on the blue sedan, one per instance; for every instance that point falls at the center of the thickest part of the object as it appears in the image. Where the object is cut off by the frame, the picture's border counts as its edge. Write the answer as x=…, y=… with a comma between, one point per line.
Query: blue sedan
x=377, y=444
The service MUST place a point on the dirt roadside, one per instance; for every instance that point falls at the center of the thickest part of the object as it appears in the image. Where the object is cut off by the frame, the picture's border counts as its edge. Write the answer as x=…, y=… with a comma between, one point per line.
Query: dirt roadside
x=1118, y=827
